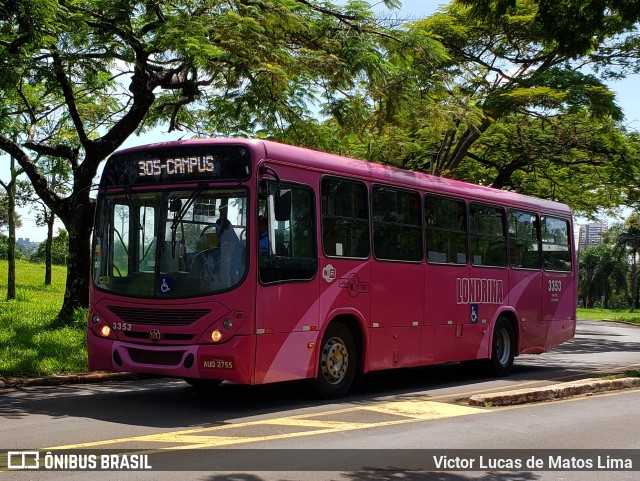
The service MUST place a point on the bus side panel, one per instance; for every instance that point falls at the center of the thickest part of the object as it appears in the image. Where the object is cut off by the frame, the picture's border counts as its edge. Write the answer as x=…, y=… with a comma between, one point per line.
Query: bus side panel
x=397, y=299
x=559, y=306
x=345, y=285
x=478, y=297
x=525, y=296
x=286, y=322
x=285, y=357
x=443, y=312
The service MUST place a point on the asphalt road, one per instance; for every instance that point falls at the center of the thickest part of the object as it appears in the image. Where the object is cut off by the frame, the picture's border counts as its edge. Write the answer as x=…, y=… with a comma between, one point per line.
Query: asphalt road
x=411, y=409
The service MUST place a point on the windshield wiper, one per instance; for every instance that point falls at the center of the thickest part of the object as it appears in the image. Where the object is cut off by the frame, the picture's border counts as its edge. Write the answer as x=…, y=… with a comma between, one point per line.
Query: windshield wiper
x=181, y=213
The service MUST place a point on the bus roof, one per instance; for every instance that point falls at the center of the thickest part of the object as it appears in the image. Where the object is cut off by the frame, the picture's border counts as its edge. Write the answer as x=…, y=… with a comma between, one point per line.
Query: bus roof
x=317, y=160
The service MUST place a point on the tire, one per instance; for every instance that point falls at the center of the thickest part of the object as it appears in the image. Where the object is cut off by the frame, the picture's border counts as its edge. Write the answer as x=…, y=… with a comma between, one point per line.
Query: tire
x=202, y=383
x=337, y=362
x=503, y=349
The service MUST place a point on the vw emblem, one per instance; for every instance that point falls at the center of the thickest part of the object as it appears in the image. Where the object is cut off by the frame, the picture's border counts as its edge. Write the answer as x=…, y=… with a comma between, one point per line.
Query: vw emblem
x=154, y=335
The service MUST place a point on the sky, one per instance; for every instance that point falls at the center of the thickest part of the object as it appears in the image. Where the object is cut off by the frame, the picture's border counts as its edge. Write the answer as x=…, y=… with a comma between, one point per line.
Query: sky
x=626, y=91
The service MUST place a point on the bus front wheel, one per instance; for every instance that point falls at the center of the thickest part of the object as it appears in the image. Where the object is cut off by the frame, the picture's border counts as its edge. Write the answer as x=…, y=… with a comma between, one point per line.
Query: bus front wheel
x=337, y=364
x=502, y=349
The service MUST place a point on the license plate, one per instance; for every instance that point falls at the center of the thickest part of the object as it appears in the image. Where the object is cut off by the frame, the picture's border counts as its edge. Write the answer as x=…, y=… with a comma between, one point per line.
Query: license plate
x=224, y=363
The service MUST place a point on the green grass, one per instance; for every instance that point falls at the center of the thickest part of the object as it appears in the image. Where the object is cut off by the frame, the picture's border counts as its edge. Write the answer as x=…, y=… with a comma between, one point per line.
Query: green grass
x=610, y=315
x=30, y=344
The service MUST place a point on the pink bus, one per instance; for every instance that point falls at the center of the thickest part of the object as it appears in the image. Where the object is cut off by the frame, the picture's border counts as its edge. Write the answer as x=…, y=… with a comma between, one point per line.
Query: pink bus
x=256, y=262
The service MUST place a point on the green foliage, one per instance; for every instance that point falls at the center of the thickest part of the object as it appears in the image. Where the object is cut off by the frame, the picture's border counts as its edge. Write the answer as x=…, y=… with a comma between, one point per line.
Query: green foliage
x=59, y=249
x=558, y=157
x=603, y=271
x=30, y=341
x=574, y=27
x=4, y=249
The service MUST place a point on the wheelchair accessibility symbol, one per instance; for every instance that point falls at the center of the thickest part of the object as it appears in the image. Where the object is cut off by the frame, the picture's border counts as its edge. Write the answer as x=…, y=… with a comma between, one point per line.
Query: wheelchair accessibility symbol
x=474, y=313
x=166, y=284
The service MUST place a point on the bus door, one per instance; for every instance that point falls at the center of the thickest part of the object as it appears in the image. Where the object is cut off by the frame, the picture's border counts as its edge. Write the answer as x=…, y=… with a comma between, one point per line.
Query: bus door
x=526, y=279
x=288, y=283
x=397, y=279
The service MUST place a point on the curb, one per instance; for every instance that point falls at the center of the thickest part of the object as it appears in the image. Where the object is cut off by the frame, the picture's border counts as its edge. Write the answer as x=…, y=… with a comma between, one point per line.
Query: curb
x=6, y=383
x=555, y=391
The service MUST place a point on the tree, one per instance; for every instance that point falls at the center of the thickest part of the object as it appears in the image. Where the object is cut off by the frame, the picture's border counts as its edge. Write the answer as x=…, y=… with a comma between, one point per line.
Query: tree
x=86, y=75
x=59, y=249
x=575, y=27
x=10, y=188
x=627, y=240
x=560, y=157
x=602, y=269
x=504, y=108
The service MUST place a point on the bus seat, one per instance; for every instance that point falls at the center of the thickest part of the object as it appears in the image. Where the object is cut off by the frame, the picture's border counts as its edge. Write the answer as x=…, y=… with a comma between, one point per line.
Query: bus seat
x=208, y=241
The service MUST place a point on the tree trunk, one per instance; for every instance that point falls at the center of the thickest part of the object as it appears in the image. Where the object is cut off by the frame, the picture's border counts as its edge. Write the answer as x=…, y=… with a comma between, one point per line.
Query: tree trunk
x=11, y=247
x=50, y=218
x=79, y=227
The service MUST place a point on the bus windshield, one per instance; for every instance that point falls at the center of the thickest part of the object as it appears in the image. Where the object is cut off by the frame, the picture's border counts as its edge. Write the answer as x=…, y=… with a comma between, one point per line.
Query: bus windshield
x=171, y=244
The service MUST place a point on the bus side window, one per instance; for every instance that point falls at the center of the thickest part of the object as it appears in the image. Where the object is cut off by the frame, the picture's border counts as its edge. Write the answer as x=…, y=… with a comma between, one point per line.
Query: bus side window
x=556, y=249
x=287, y=251
x=487, y=235
x=345, y=218
x=524, y=240
x=397, y=226
x=446, y=230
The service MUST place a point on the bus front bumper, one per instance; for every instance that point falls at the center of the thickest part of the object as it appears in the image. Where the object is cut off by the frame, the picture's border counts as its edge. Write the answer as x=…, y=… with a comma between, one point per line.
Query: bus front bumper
x=230, y=361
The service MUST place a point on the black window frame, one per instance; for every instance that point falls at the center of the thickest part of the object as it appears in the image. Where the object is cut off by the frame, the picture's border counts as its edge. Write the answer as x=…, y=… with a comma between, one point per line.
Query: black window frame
x=281, y=267
x=403, y=226
x=510, y=240
x=569, y=251
x=347, y=221
x=473, y=236
x=450, y=234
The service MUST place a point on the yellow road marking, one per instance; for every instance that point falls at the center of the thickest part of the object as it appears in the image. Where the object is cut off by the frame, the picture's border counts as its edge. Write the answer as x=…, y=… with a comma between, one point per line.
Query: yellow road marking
x=403, y=412
x=412, y=411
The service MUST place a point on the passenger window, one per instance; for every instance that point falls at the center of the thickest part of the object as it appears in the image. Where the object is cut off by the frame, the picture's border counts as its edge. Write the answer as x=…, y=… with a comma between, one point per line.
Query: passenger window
x=286, y=243
x=446, y=229
x=397, y=227
x=487, y=236
x=555, y=244
x=345, y=218
x=524, y=240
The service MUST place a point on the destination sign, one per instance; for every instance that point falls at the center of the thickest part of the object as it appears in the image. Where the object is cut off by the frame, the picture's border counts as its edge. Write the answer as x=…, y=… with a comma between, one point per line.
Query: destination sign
x=179, y=166
x=159, y=165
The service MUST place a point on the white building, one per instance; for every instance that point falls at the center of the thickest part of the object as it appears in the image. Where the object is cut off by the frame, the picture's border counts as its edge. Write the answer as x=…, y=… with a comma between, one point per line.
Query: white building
x=591, y=234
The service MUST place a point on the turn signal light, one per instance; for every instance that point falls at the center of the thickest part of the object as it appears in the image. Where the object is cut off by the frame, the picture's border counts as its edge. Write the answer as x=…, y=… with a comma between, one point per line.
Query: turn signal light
x=105, y=331
x=216, y=335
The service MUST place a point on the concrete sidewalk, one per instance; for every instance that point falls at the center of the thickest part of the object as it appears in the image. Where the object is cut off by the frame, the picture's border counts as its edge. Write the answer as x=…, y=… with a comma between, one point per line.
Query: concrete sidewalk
x=554, y=391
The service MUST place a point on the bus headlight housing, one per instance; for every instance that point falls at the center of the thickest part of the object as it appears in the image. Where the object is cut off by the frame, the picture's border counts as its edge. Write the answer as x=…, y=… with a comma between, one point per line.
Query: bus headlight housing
x=216, y=335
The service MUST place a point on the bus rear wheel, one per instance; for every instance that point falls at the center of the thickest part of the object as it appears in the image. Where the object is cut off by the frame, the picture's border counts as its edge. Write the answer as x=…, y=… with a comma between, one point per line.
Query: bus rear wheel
x=503, y=348
x=337, y=364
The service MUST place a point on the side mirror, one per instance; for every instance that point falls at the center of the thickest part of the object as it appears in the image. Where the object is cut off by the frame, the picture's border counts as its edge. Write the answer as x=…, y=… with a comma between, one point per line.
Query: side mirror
x=283, y=205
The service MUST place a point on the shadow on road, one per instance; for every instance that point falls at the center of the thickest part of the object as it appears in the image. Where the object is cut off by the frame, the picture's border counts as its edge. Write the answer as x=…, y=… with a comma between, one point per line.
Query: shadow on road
x=170, y=403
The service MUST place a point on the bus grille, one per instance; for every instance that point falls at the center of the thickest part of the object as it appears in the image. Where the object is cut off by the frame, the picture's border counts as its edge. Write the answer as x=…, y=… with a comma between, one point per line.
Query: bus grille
x=159, y=358
x=163, y=317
